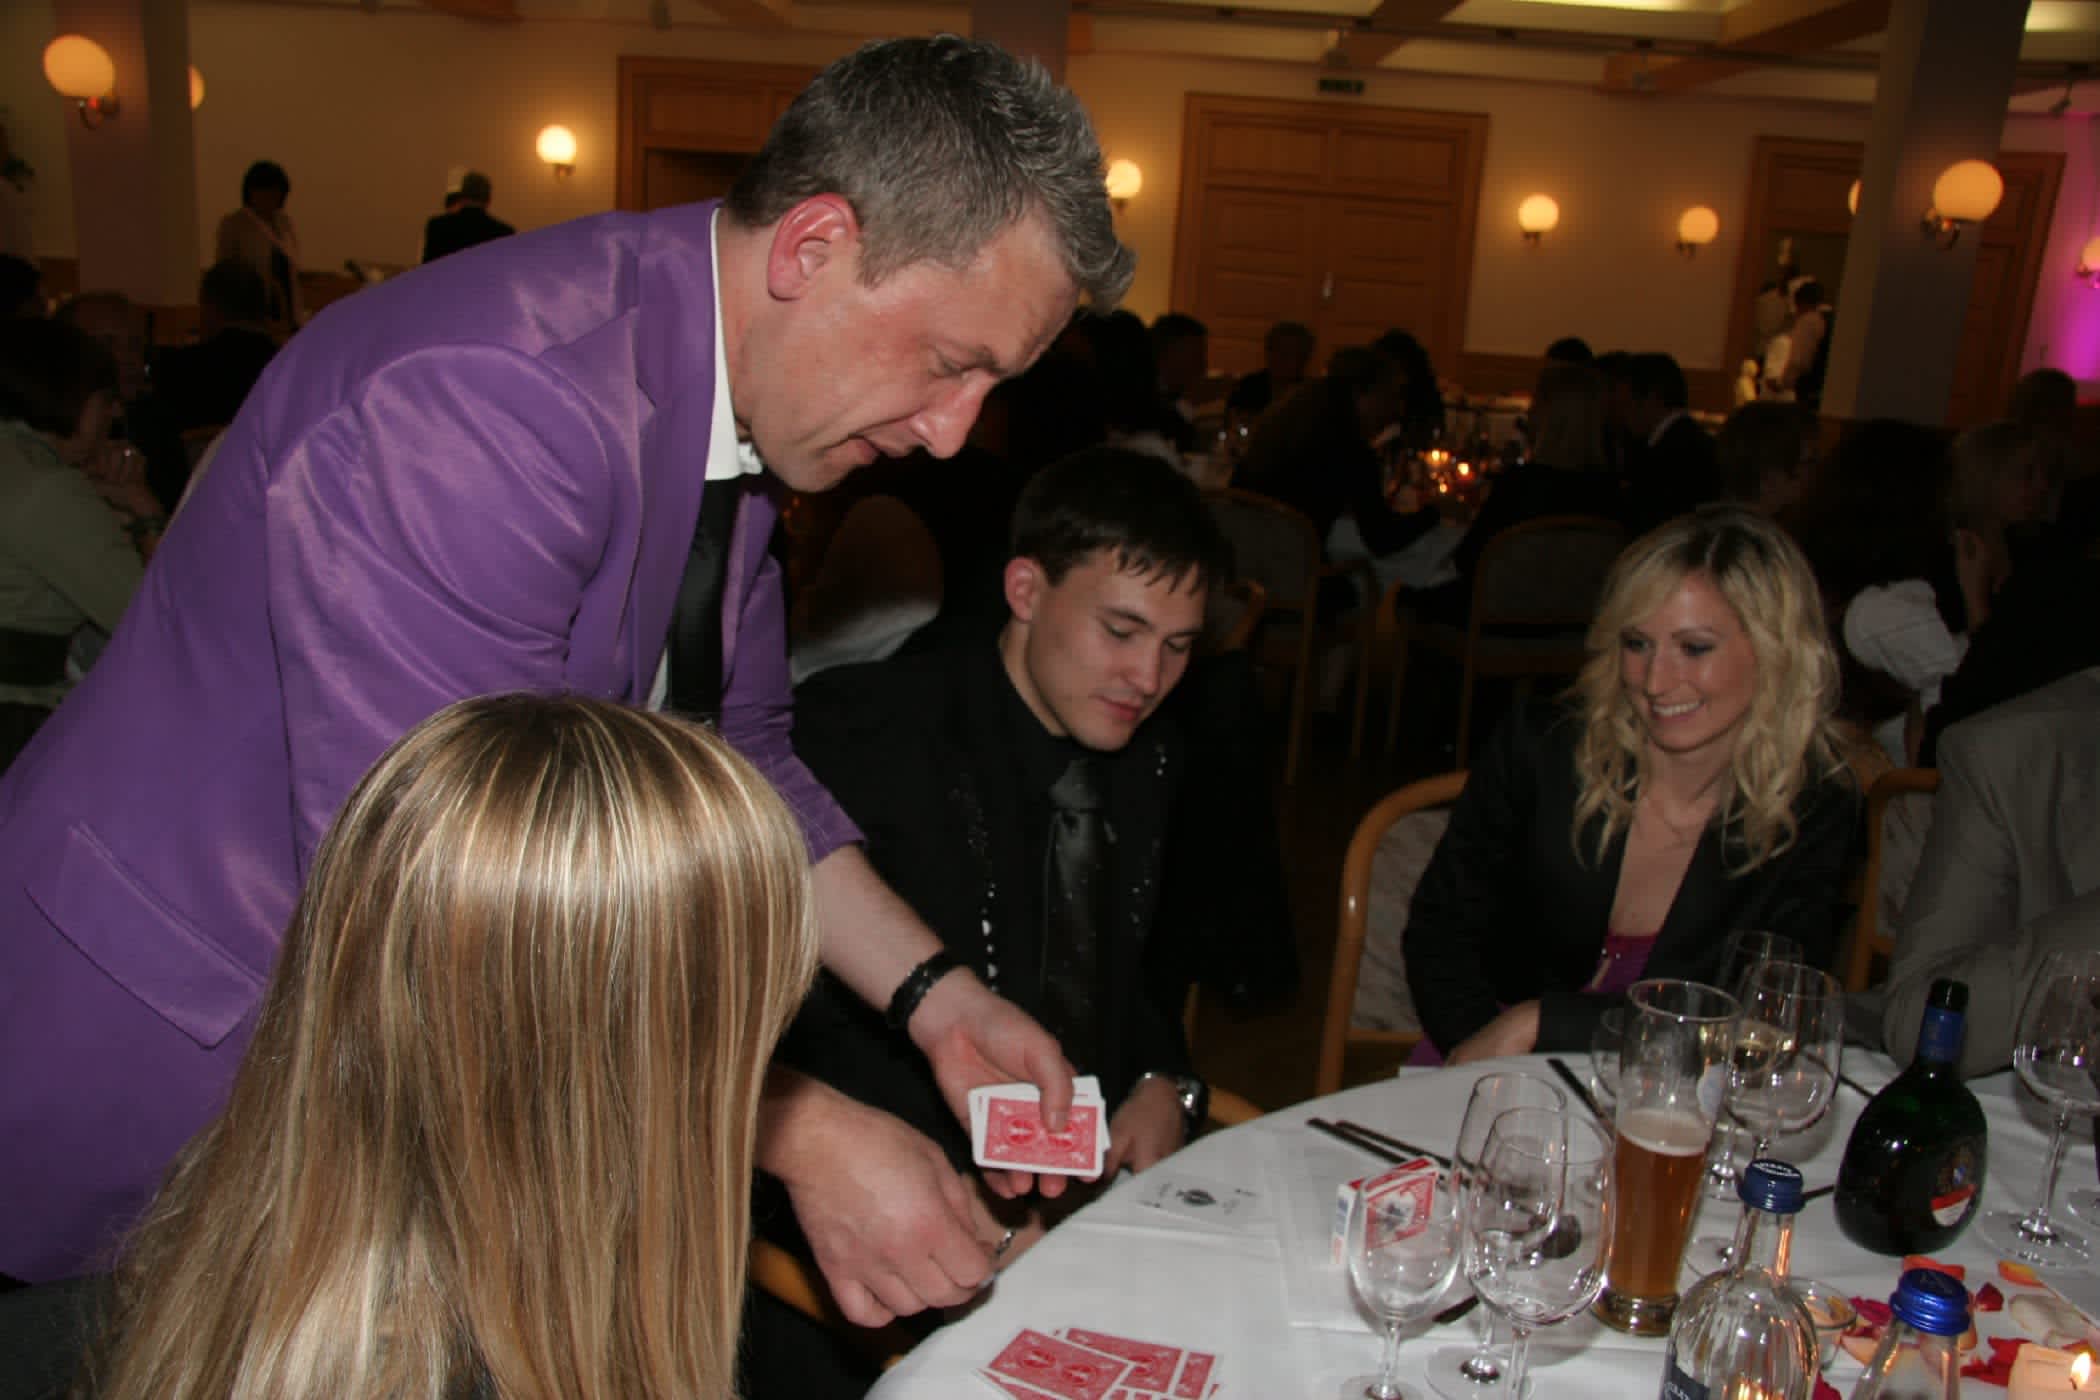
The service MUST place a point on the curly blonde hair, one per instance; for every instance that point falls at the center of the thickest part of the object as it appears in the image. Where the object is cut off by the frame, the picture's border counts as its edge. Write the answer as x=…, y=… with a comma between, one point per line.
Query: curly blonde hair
x=1788, y=739
x=497, y=1118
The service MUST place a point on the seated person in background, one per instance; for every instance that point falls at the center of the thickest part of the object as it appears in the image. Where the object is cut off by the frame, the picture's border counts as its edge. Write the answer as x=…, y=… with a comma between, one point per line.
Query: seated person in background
x=1313, y=452
x=1286, y=355
x=142, y=418
x=1570, y=350
x=1125, y=382
x=501, y=1092
x=1875, y=526
x=1669, y=466
x=1688, y=785
x=2011, y=870
x=466, y=220
x=1181, y=352
x=203, y=385
x=1015, y=792
x=1758, y=456
x=65, y=559
x=2039, y=631
x=1422, y=409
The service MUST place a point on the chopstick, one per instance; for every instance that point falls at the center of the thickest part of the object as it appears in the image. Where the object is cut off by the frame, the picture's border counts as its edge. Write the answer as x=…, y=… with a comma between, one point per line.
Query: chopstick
x=1341, y=1134
x=1582, y=1090
x=1388, y=1141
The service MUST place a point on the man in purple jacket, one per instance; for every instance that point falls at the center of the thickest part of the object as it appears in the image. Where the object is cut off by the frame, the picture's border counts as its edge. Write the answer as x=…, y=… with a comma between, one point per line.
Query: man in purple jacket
x=486, y=476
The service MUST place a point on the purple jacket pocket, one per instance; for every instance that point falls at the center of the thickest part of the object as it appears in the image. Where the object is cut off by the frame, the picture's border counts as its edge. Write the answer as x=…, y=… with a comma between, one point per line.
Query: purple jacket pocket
x=141, y=944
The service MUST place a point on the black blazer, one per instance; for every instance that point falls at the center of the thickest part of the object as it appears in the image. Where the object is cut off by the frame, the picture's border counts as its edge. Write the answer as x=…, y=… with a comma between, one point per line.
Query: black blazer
x=919, y=752
x=462, y=228
x=1509, y=909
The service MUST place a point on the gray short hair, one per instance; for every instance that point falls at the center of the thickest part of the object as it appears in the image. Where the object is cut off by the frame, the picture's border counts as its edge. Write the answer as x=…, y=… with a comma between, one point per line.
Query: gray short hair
x=940, y=145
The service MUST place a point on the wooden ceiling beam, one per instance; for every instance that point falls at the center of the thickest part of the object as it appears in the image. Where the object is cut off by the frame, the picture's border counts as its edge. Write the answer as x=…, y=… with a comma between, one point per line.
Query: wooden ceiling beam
x=1760, y=31
x=1366, y=46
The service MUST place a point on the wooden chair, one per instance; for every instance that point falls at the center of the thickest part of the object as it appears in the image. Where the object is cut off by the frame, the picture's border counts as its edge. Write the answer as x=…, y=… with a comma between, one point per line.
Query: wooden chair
x=1340, y=1030
x=1277, y=547
x=1535, y=590
x=1234, y=613
x=1869, y=941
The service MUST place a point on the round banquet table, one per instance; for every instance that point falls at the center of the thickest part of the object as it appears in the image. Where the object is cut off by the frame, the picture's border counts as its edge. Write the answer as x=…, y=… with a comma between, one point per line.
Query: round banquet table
x=1260, y=1294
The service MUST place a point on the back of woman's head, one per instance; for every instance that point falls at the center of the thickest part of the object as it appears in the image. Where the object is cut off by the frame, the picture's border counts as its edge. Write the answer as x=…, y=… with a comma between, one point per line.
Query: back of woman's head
x=498, y=1112
x=1786, y=740
x=1998, y=475
x=1876, y=512
x=1567, y=417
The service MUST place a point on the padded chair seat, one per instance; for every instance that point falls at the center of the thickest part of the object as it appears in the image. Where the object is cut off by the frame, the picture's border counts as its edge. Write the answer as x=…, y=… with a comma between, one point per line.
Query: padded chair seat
x=1383, y=1002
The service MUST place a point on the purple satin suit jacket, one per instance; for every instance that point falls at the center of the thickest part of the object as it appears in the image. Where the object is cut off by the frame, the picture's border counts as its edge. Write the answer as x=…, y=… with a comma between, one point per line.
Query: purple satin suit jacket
x=481, y=476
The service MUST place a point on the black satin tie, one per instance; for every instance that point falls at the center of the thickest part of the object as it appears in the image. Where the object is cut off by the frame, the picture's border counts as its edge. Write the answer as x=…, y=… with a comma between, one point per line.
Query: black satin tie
x=1075, y=886
x=695, y=645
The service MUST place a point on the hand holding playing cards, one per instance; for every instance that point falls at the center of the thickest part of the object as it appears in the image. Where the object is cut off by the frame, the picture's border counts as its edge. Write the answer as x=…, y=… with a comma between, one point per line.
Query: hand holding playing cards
x=1146, y=1129
x=894, y=1227
x=975, y=1037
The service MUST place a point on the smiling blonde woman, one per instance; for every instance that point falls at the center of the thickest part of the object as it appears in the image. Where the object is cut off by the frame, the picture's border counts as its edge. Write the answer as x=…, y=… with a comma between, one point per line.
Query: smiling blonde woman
x=1689, y=784
x=494, y=1132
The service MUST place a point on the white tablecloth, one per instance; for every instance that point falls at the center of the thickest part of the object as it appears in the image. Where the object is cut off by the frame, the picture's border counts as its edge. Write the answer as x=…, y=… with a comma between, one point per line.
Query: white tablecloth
x=1281, y=1320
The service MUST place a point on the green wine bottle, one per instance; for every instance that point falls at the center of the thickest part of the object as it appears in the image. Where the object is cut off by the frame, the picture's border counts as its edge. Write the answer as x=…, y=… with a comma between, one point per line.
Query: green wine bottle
x=1913, y=1169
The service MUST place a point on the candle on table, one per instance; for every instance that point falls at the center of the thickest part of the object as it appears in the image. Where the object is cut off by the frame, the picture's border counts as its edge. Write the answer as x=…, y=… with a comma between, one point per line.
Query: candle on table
x=2040, y=1370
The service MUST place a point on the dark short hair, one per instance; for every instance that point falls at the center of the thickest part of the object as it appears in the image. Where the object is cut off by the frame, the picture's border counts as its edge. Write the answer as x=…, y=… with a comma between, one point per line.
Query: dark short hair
x=940, y=145
x=1655, y=375
x=474, y=188
x=265, y=175
x=1107, y=498
x=20, y=283
x=1284, y=332
x=2044, y=398
x=1570, y=350
x=1173, y=327
x=1760, y=440
x=48, y=372
x=1810, y=293
x=235, y=290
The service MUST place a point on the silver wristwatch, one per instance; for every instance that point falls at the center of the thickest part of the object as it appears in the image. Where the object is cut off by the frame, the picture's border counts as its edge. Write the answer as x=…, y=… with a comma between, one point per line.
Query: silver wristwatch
x=1193, y=1093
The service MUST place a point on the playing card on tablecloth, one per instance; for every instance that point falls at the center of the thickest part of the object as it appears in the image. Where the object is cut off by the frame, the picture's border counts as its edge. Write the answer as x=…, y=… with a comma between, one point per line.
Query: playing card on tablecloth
x=1059, y=1368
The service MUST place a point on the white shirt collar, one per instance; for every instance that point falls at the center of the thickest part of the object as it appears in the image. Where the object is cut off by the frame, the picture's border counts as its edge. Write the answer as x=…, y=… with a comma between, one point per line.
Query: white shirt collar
x=727, y=454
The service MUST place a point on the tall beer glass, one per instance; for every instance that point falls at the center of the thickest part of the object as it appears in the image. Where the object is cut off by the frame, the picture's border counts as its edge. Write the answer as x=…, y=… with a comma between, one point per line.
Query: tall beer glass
x=1673, y=1076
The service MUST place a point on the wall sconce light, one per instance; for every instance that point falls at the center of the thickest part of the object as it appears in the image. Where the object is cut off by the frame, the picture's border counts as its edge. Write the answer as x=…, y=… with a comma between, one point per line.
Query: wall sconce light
x=1537, y=216
x=81, y=70
x=1124, y=181
x=1696, y=229
x=2089, y=262
x=1852, y=199
x=1967, y=192
x=196, y=88
x=557, y=147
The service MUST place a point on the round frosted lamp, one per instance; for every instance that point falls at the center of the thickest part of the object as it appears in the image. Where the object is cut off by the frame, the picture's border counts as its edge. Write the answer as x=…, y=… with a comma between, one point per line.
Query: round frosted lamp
x=1852, y=197
x=1538, y=214
x=1124, y=179
x=79, y=68
x=557, y=145
x=1698, y=226
x=196, y=88
x=1968, y=190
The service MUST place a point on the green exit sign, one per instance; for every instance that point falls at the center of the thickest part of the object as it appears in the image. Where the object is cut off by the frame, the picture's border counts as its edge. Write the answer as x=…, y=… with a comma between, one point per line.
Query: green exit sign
x=1354, y=87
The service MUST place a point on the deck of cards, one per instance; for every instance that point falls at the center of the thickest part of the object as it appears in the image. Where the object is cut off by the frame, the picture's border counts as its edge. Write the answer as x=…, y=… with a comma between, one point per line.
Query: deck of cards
x=1006, y=1130
x=1079, y=1364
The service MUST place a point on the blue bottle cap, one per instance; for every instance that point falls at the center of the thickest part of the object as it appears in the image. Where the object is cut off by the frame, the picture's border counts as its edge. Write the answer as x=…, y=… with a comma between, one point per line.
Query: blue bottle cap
x=1770, y=1185
x=1931, y=1302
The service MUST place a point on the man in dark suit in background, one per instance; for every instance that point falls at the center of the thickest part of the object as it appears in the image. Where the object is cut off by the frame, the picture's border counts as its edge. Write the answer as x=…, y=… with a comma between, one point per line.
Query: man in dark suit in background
x=202, y=385
x=466, y=220
x=1670, y=466
x=1015, y=793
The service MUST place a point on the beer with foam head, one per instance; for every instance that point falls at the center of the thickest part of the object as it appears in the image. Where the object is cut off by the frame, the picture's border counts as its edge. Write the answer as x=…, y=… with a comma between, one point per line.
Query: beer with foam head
x=1661, y=1161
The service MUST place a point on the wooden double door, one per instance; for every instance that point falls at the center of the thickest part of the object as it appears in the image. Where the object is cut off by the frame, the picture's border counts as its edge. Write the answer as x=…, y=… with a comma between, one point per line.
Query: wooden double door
x=1353, y=220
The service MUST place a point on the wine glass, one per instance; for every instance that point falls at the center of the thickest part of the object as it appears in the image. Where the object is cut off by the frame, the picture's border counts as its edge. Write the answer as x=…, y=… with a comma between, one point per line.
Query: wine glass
x=1457, y=1373
x=1783, y=1063
x=1740, y=955
x=1403, y=1248
x=1607, y=1042
x=2056, y=1054
x=1538, y=1221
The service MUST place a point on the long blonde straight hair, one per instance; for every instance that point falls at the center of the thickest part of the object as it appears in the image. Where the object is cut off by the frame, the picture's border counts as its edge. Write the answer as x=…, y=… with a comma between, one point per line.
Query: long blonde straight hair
x=497, y=1117
x=1787, y=740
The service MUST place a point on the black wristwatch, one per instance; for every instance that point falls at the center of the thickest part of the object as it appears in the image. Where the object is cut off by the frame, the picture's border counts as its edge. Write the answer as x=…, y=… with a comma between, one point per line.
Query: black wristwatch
x=1193, y=1093
x=913, y=989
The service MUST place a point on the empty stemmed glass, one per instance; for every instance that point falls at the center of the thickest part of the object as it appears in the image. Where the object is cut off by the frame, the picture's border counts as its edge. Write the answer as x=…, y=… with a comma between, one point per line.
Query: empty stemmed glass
x=2057, y=1055
x=1459, y=1373
x=1538, y=1218
x=1740, y=956
x=1607, y=1043
x=1783, y=1063
x=1403, y=1250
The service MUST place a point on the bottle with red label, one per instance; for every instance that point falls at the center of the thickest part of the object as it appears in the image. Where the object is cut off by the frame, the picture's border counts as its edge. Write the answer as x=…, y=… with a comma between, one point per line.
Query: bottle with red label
x=1913, y=1170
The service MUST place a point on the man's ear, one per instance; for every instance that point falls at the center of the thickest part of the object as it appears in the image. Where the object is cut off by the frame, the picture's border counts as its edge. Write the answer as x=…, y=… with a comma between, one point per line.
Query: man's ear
x=1025, y=584
x=817, y=233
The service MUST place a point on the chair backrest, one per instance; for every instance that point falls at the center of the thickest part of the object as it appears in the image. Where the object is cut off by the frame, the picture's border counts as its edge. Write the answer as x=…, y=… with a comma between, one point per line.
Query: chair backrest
x=1235, y=611
x=1870, y=939
x=1367, y=1002
x=1272, y=544
x=1547, y=572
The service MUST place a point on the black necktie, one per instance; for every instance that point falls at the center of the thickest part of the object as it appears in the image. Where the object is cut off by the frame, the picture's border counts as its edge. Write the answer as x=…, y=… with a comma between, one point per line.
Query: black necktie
x=1075, y=883
x=695, y=645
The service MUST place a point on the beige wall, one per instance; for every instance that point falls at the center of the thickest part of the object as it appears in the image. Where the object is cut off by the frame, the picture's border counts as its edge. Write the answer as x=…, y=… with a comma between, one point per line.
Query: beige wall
x=368, y=111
